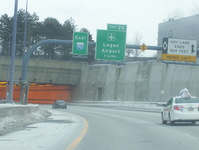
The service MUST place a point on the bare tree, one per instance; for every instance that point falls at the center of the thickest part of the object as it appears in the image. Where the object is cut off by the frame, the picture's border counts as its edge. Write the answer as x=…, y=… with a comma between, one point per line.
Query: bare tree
x=136, y=41
x=196, y=9
x=137, y=38
x=176, y=14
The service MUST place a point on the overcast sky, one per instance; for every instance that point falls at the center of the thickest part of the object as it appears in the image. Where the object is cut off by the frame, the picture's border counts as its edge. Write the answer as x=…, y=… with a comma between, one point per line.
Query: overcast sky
x=139, y=15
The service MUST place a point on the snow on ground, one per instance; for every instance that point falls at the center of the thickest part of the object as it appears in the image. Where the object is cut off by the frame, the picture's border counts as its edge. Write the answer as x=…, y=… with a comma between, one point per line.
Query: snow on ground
x=12, y=123
x=57, y=132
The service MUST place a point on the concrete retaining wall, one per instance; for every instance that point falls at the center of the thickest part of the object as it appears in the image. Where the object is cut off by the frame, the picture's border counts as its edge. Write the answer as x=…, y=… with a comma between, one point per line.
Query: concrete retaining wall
x=136, y=81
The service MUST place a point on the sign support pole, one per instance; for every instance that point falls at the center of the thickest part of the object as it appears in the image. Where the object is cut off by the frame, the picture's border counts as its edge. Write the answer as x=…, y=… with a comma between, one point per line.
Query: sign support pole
x=13, y=49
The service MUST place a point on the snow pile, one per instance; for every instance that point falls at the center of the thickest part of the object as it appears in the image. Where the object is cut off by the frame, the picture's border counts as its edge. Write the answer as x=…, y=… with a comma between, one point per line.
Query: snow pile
x=12, y=123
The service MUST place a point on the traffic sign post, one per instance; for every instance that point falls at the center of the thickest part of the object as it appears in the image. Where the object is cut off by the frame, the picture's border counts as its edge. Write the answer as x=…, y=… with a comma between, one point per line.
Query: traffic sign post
x=110, y=45
x=80, y=43
x=179, y=49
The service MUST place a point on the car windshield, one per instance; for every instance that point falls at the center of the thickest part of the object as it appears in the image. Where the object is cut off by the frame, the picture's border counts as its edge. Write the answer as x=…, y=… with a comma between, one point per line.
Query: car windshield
x=59, y=101
x=187, y=100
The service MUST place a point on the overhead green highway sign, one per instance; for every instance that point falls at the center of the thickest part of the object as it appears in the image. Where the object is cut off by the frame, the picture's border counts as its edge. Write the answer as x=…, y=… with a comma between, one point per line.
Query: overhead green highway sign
x=110, y=45
x=80, y=43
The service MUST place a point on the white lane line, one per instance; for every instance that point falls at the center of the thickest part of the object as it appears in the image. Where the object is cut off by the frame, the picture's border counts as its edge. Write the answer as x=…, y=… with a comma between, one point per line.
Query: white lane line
x=195, y=138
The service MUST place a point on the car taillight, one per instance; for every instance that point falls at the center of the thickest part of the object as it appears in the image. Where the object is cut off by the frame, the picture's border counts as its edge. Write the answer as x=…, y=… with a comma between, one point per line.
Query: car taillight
x=178, y=107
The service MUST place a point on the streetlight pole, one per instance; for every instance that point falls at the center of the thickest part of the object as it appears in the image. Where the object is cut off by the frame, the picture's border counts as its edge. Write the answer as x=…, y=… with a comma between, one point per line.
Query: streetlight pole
x=13, y=49
x=26, y=22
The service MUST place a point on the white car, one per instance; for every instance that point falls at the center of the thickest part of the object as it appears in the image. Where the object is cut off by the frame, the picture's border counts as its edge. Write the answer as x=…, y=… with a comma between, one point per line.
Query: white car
x=181, y=109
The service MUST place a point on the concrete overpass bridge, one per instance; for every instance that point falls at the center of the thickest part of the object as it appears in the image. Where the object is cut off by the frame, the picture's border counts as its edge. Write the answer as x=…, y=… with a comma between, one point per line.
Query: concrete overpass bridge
x=44, y=71
x=53, y=75
x=40, y=72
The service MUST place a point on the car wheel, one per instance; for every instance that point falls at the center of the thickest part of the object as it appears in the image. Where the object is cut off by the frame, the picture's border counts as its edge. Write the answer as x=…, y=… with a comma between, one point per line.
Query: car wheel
x=163, y=121
x=171, y=123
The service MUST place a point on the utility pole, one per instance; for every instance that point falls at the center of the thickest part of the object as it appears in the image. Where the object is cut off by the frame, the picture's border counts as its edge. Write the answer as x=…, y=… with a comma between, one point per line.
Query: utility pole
x=13, y=49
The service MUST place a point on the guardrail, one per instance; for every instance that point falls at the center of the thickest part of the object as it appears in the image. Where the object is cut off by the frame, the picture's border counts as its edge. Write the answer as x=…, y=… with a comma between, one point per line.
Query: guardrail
x=124, y=105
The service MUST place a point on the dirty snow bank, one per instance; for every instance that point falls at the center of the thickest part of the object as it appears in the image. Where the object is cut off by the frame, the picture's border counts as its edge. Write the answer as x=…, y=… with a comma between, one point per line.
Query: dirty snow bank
x=12, y=123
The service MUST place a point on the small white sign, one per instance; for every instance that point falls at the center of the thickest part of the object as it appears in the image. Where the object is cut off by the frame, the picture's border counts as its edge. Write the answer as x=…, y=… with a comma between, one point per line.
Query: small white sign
x=180, y=47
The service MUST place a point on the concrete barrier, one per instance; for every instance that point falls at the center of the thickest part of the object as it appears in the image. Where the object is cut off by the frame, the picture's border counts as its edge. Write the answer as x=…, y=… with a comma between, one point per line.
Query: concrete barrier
x=124, y=105
x=14, y=116
x=7, y=110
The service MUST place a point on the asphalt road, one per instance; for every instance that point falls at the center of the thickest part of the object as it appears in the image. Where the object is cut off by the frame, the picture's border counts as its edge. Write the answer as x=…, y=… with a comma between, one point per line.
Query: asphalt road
x=92, y=128
x=110, y=129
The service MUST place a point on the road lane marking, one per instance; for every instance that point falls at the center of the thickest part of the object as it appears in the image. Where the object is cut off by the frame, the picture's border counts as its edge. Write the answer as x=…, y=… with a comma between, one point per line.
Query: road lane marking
x=191, y=136
x=81, y=135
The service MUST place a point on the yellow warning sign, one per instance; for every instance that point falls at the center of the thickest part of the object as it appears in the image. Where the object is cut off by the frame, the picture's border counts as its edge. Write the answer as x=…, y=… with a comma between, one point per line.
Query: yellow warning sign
x=143, y=47
x=178, y=57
